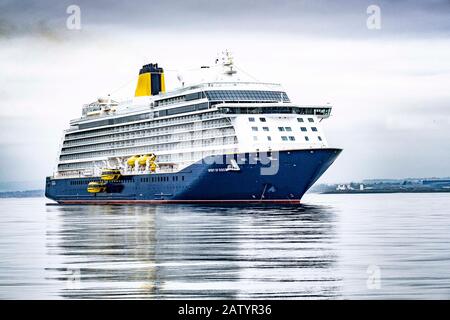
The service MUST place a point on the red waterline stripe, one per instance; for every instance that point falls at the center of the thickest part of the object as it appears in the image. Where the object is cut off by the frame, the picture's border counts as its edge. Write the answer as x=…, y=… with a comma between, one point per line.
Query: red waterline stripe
x=278, y=201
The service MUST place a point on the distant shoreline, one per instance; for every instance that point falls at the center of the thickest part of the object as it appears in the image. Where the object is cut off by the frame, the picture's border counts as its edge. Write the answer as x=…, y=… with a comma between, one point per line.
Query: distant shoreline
x=22, y=194
x=408, y=185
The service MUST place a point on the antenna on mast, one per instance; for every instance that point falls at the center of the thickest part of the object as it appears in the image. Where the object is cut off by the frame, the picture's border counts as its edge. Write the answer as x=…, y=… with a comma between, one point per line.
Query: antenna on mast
x=226, y=60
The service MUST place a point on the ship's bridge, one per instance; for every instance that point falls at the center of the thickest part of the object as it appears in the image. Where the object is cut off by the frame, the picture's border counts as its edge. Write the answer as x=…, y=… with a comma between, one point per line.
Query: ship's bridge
x=274, y=108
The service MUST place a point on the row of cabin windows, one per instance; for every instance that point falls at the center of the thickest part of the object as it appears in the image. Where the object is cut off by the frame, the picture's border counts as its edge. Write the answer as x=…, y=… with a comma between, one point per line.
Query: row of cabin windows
x=264, y=128
x=162, y=179
x=290, y=129
x=252, y=119
x=286, y=138
x=285, y=129
x=314, y=129
x=139, y=130
x=157, y=124
x=155, y=114
x=301, y=120
x=80, y=166
x=129, y=180
x=170, y=138
x=86, y=182
x=219, y=140
x=78, y=183
x=292, y=138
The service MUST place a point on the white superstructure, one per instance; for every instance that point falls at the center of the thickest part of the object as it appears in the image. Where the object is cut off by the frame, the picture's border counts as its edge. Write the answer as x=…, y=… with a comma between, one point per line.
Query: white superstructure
x=223, y=116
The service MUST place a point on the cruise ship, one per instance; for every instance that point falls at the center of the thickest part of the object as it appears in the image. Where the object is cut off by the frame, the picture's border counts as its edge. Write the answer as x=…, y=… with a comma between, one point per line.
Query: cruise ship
x=219, y=140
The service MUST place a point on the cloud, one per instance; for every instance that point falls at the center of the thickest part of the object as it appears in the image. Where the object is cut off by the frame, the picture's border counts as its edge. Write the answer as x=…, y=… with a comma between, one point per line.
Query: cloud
x=319, y=18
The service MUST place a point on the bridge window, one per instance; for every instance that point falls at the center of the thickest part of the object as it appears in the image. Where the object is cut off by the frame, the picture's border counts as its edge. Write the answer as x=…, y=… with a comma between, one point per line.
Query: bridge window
x=310, y=119
x=314, y=129
x=273, y=109
x=280, y=128
x=306, y=138
x=284, y=138
x=292, y=138
x=262, y=119
x=246, y=95
x=300, y=119
x=251, y=119
x=254, y=128
x=303, y=129
x=266, y=128
x=269, y=138
x=320, y=138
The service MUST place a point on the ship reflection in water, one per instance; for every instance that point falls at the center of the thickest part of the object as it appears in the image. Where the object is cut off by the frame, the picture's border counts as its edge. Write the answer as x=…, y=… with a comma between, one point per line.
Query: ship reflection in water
x=193, y=252
x=352, y=246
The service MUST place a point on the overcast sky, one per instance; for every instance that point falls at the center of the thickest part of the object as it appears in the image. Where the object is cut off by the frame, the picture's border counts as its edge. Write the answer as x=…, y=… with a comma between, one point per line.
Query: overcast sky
x=390, y=88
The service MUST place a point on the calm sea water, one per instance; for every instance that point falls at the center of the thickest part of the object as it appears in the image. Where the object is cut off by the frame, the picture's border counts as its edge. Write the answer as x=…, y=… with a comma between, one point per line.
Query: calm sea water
x=332, y=247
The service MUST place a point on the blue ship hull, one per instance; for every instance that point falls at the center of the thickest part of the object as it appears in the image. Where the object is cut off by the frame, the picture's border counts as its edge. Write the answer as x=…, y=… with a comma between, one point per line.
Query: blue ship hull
x=208, y=181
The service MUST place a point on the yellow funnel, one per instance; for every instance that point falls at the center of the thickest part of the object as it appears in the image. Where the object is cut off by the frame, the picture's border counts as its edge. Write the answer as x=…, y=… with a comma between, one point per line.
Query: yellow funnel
x=150, y=81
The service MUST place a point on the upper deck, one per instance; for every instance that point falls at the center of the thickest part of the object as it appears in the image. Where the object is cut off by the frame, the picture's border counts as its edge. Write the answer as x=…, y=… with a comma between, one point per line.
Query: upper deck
x=226, y=97
x=188, y=123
